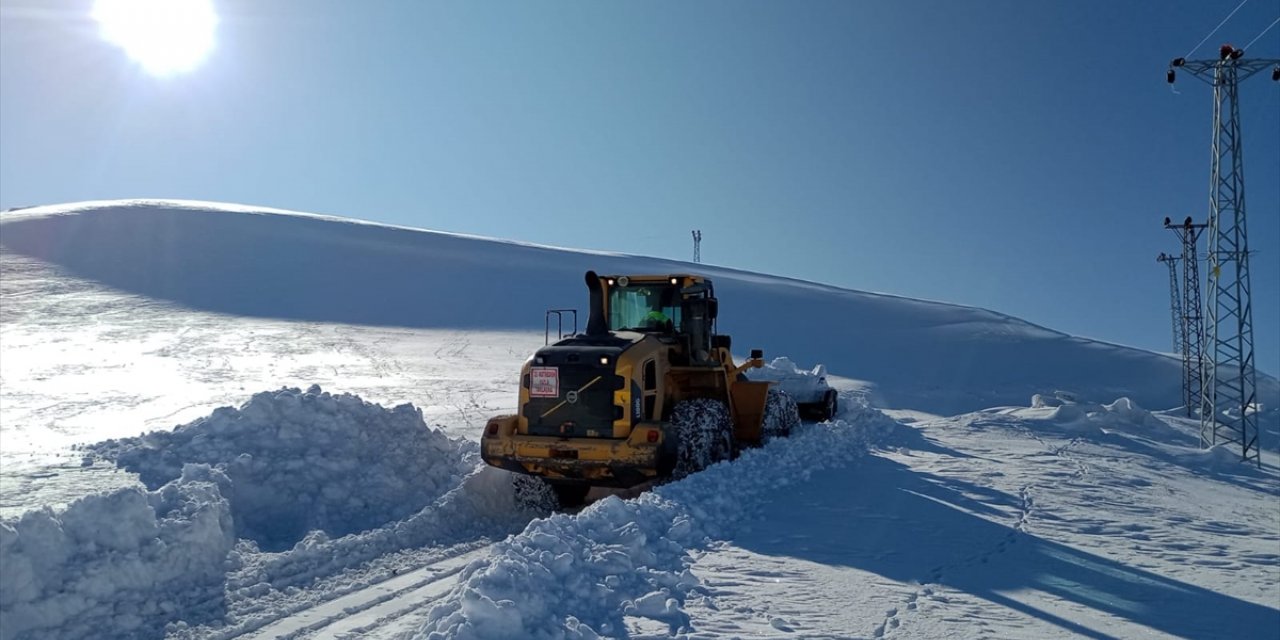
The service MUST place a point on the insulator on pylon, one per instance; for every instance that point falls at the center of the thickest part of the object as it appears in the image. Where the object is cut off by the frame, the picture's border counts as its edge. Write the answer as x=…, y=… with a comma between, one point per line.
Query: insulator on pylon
x=1225, y=51
x=1275, y=74
x=1237, y=54
x=1170, y=77
x=1167, y=221
x=1178, y=62
x=1187, y=223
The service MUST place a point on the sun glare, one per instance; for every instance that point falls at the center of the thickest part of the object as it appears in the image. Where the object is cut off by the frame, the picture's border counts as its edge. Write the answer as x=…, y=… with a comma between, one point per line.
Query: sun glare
x=166, y=37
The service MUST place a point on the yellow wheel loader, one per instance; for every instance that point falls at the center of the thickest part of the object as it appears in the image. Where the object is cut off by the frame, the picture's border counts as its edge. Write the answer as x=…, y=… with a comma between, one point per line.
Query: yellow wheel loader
x=649, y=391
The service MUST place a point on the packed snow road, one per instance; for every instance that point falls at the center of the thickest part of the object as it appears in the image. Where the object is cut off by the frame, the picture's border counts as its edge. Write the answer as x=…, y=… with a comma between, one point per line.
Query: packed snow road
x=1058, y=520
x=311, y=514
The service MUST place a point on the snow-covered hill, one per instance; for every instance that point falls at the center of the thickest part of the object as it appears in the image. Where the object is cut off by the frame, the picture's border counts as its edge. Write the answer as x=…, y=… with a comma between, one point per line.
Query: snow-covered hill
x=253, y=262
x=985, y=478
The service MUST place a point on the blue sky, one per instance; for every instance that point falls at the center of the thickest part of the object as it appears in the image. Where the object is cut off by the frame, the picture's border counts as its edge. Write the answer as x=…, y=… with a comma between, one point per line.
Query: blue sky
x=1013, y=155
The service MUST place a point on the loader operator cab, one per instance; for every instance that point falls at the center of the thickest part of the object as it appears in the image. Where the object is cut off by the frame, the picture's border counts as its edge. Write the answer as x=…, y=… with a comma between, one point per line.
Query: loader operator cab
x=644, y=307
x=649, y=391
x=680, y=307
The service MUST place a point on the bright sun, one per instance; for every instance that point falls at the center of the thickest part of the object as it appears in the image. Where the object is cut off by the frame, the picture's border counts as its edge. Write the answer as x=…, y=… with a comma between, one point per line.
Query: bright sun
x=166, y=37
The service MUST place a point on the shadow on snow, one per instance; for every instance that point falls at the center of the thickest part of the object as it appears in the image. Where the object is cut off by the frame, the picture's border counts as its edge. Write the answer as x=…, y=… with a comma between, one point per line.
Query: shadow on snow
x=919, y=528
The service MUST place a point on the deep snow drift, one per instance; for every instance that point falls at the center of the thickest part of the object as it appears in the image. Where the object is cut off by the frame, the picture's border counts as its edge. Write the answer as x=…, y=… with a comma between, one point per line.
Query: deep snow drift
x=118, y=564
x=256, y=262
x=307, y=461
x=132, y=562
x=311, y=474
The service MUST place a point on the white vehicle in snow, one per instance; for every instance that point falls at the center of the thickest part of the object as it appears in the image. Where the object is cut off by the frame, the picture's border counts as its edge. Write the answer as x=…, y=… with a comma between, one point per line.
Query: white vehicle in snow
x=809, y=388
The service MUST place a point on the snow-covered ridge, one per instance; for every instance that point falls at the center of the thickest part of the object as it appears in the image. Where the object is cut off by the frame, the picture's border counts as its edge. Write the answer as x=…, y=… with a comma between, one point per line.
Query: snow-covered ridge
x=256, y=262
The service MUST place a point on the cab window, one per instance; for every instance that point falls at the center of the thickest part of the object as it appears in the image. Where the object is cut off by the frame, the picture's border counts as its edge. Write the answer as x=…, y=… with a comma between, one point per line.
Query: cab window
x=643, y=307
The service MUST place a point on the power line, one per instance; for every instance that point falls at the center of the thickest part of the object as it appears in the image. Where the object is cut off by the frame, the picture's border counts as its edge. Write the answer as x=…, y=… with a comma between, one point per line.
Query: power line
x=1264, y=32
x=1215, y=30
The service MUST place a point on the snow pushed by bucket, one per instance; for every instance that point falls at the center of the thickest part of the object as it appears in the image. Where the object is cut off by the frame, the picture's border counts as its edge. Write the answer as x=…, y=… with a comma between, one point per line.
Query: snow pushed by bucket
x=119, y=564
x=308, y=461
x=580, y=576
x=804, y=385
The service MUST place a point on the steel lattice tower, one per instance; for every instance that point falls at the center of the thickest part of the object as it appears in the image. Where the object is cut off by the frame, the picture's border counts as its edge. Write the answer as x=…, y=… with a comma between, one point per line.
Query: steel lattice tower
x=1175, y=303
x=697, y=245
x=1229, y=392
x=1192, y=315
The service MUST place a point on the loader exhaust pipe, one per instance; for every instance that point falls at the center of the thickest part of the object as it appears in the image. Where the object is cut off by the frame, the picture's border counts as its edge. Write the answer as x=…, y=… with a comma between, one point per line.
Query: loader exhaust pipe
x=596, y=324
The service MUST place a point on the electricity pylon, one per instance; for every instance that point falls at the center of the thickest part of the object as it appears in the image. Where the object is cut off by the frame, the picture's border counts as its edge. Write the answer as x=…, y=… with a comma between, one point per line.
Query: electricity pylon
x=697, y=245
x=1229, y=397
x=1192, y=314
x=1175, y=302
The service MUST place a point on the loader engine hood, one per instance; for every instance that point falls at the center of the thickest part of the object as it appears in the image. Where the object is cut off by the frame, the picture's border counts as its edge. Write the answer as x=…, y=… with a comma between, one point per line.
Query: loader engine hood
x=572, y=386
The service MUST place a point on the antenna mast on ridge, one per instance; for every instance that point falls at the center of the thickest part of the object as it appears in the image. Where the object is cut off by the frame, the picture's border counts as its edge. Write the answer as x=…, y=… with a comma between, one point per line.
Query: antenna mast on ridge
x=697, y=245
x=1229, y=398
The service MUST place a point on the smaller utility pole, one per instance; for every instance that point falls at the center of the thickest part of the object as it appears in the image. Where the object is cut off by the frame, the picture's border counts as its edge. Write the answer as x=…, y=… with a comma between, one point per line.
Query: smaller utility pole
x=1175, y=305
x=1193, y=313
x=697, y=245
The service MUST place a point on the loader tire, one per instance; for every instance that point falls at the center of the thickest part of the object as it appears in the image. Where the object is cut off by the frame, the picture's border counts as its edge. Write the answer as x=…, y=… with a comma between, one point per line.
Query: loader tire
x=570, y=496
x=830, y=405
x=704, y=433
x=781, y=416
x=534, y=493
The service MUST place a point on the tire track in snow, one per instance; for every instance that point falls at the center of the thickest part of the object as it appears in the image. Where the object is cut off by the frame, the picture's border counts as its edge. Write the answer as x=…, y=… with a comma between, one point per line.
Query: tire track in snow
x=372, y=607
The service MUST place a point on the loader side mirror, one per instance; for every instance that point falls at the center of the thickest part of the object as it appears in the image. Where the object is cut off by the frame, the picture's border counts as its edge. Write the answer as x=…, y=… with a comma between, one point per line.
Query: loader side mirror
x=713, y=308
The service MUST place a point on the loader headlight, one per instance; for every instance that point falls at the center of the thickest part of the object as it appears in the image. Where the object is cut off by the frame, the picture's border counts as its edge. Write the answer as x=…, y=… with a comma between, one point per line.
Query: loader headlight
x=604, y=361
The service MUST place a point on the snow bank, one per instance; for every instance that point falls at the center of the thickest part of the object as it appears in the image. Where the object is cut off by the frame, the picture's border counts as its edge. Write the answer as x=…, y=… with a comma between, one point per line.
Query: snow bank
x=579, y=576
x=305, y=461
x=117, y=564
x=1065, y=410
x=323, y=474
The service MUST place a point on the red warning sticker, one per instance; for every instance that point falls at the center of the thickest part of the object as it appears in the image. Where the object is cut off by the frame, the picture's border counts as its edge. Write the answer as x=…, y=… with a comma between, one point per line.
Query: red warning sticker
x=544, y=382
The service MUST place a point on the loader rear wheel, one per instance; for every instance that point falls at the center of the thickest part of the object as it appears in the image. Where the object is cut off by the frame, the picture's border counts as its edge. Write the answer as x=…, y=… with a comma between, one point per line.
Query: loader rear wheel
x=781, y=416
x=532, y=492
x=704, y=432
x=830, y=404
x=571, y=495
